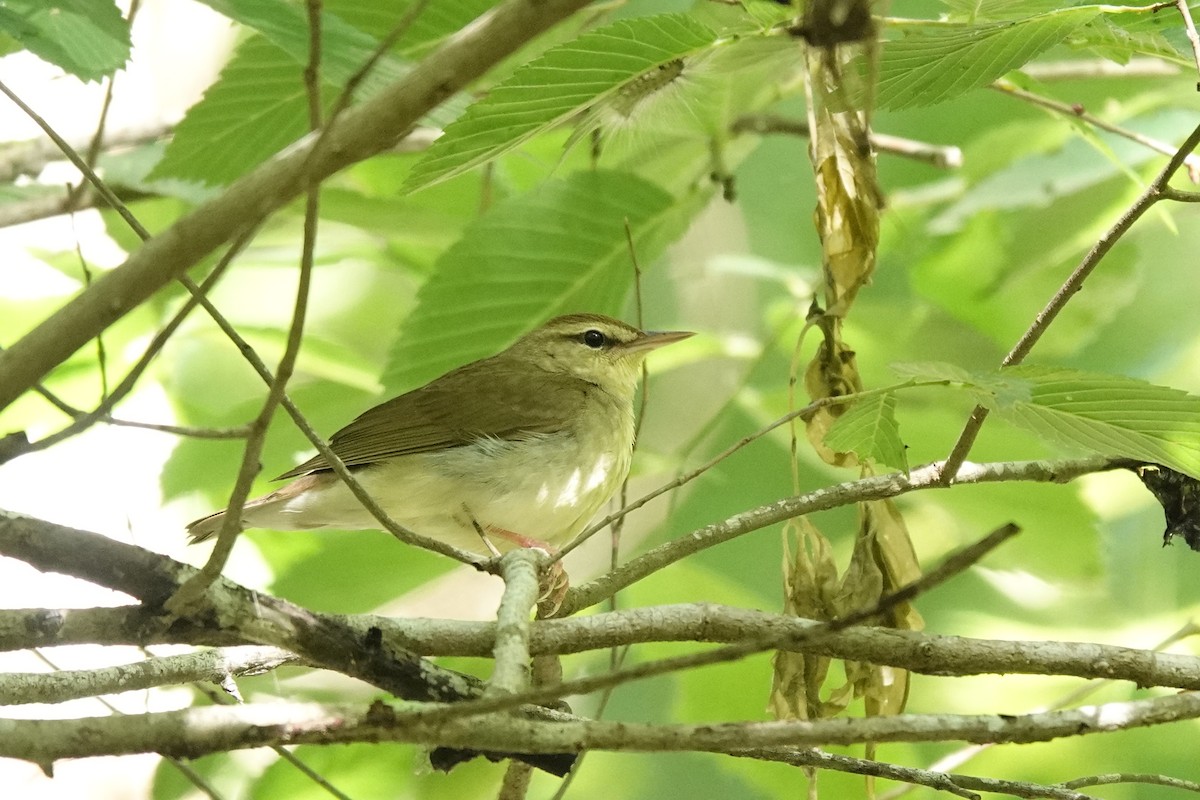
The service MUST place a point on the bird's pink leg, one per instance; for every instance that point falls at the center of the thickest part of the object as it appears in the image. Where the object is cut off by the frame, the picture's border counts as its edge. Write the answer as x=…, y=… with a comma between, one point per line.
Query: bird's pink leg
x=556, y=583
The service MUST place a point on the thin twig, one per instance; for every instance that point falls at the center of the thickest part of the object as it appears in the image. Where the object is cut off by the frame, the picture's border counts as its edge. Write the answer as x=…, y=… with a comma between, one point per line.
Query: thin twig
x=1192, y=161
x=31, y=157
x=876, y=487
x=1190, y=27
x=188, y=431
x=85, y=420
x=940, y=156
x=1112, y=778
x=1157, y=190
x=231, y=524
x=618, y=524
x=960, y=785
x=185, y=769
x=1084, y=68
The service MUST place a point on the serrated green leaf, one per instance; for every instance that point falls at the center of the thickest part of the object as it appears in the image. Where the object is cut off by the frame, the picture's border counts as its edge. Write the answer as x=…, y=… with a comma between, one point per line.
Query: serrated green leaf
x=564, y=81
x=1110, y=415
x=1000, y=389
x=435, y=22
x=1118, y=44
x=768, y=13
x=557, y=250
x=936, y=65
x=257, y=106
x=1166, y=27
x=87, y=38
x=934, y=371
x=976, y=10
x=869, y=430
x=344, y=49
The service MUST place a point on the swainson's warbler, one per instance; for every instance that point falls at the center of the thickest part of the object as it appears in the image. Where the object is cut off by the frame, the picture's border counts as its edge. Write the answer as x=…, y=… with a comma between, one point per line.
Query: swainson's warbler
x=528, y=444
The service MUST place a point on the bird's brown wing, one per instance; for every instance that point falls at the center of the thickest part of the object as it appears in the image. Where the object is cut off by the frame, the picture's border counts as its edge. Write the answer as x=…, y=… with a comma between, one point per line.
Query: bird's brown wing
x=454, y=410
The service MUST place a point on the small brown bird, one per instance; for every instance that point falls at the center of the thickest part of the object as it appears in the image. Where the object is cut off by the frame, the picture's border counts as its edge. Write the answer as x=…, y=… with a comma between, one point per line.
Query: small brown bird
x=528, y=443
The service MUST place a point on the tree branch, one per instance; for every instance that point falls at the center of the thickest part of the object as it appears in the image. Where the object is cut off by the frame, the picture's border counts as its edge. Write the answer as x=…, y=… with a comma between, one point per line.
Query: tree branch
x=213, y=666
x=345, y=644
x=872, y=488
x=361, y=132
x=195, y=732
x=925, y=653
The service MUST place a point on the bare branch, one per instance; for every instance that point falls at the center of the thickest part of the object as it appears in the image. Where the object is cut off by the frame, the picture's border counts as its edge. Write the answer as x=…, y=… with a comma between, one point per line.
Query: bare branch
x=189, y=593
x=960, y=785
x=212, y=666
x=519, y=568
x=1192, y=161
x=1190, y=27
x=940, y=156
x=197, y=731
x=925, y=653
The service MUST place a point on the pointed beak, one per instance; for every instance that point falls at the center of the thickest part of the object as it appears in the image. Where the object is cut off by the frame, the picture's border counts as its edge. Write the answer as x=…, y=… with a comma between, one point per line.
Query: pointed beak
x=652, y=340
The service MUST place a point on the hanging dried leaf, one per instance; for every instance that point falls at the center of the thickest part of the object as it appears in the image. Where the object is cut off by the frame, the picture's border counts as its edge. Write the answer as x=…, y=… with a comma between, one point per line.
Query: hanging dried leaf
x=847, y=221
x=811, y=585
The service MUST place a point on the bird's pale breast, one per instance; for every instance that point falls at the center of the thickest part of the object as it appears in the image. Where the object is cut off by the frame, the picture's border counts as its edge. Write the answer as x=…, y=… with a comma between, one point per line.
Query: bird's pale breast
x=542, y=486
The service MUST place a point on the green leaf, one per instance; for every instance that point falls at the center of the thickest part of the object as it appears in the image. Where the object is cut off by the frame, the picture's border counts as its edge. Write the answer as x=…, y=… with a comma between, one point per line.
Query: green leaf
x=1118, y=44
x=557, y=250
x=1110, y=415
x=564, y=81
x=433, y=24
x=259, y=105
x=976, y=10
x=936, y=65
x=344, y=49
x=935, y=371
x=130, y=169
x=1147, y=21
x=768, y=13
x=87, y=38
x=869, y=430
x=256, y=107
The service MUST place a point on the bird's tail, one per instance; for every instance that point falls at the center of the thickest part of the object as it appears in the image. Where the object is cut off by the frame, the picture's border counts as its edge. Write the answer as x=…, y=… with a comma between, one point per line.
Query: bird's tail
x=205, y=528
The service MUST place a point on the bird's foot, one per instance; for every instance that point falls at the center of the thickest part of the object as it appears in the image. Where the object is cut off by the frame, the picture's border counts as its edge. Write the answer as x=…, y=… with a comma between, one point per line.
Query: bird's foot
x=554, y=582
x=554, y=585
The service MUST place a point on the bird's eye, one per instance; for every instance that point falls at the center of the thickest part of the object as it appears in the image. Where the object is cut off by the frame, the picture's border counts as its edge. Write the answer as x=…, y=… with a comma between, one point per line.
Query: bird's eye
x=594, y=339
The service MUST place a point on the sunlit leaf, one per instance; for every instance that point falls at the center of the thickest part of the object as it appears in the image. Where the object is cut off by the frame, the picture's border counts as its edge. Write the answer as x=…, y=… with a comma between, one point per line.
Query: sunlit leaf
x=869, y=430
x=566, y=80
x=935, y=65
x=1120, y=44
x=1110, y=415
x=255, y=108
x=558, y=250
x=87, y=38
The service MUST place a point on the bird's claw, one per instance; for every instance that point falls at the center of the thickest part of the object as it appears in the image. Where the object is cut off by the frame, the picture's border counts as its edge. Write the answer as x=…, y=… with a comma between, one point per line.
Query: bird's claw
x=554, y=585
